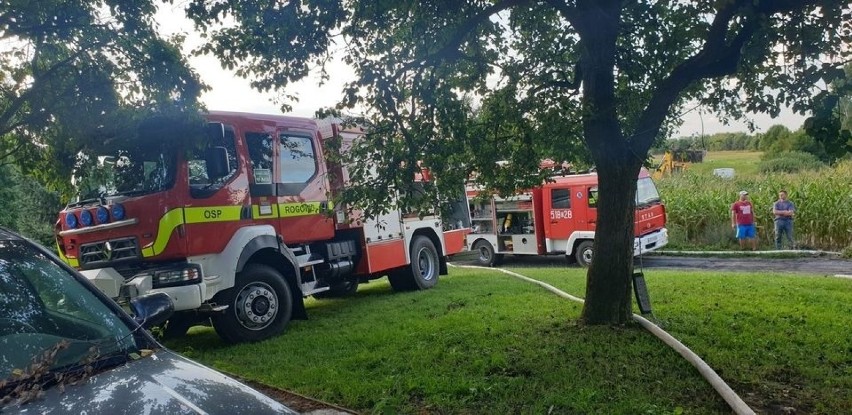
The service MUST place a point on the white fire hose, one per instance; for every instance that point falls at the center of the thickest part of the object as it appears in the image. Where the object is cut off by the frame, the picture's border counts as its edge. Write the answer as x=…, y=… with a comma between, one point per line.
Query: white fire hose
x=725, y=391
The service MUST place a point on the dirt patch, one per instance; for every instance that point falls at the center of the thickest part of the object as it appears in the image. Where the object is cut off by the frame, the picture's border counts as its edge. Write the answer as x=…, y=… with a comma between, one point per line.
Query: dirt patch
x=297, y=402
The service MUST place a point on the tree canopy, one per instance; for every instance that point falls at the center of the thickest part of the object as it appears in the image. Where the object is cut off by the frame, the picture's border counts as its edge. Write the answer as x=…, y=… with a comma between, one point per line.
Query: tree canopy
x=75, y=73
x=458, y=85
x=831, y=122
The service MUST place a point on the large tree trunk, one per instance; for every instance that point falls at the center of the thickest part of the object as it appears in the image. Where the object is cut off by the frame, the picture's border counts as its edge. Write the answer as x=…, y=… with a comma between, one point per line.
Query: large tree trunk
x=608, y=282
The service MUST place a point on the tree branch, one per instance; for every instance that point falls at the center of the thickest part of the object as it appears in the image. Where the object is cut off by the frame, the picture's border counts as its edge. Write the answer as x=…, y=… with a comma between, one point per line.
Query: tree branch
x=568, y=12
x=717, y=58
x=13, y=151
x=20, y=100
x=449, y=49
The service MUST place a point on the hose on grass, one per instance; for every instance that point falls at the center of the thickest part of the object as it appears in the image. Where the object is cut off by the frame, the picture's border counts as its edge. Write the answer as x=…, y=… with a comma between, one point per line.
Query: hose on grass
x=731, y=398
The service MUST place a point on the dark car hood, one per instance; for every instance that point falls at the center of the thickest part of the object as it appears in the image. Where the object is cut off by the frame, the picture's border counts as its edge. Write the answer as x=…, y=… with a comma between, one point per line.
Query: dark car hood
x=163, y=383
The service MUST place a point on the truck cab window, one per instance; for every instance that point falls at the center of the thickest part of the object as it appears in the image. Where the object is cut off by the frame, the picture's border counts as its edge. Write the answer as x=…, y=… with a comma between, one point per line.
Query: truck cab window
x=200, y=185
x=260, y=153
x=560, y=199
x=298, y=159
x=593, y=197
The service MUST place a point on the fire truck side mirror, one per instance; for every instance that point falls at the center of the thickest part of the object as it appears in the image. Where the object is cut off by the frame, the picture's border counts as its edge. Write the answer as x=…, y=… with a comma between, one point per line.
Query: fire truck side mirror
x=216, y=160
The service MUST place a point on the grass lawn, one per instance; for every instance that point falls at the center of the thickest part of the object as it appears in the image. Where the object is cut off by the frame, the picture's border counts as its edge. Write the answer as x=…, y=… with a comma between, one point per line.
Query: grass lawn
x=744, y=163
x=483, y=342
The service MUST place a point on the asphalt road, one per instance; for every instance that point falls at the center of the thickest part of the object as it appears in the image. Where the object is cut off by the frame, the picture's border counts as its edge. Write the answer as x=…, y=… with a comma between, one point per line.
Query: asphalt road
x=800, y=265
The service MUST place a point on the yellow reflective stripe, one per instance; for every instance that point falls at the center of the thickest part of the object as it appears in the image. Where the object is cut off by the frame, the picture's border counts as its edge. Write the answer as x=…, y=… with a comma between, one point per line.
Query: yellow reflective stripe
x=289, y=210
x=212, y=214
x=207, y=214
x=171, y=220
x=255, y=212
x=70, y=261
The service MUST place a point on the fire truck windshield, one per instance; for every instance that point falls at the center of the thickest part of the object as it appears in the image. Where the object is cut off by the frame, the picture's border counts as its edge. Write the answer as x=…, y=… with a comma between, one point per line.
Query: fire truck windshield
x=142, y=170
x=646, y=192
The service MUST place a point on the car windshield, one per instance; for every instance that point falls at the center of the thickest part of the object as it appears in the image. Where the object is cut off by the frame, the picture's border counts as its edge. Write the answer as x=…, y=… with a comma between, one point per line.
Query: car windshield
x=43, y=308
x=646, y=192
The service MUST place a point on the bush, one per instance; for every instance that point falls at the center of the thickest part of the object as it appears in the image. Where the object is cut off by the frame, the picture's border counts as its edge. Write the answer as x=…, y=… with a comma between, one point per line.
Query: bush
x=789, y=162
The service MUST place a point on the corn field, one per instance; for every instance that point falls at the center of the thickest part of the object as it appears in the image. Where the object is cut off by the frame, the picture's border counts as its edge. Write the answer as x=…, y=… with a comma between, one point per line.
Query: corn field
x=698, y=207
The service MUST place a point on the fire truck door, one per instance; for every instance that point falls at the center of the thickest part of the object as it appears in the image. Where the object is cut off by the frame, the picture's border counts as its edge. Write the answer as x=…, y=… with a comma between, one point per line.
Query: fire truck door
x=302, y=189
x=558, y=212
x=588, y=206
x=262, y=170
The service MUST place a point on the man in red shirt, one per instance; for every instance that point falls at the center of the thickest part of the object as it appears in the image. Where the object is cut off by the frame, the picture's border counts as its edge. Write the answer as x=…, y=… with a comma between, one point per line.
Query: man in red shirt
x=742, y=219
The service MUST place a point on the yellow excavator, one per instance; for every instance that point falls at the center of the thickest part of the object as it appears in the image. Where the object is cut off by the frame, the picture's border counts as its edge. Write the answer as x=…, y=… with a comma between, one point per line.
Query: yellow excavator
x=670, y=165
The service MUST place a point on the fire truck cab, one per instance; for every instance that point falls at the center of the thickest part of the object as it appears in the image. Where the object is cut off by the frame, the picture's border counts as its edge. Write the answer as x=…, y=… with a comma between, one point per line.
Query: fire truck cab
x=557, y=218
x=242, y=227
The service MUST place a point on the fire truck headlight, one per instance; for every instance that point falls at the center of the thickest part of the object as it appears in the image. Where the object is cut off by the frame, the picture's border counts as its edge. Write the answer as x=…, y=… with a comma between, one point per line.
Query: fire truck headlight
x=70, y=220
x=186, y=276
x=86, y=218
x=118, y=211
x=103, y=214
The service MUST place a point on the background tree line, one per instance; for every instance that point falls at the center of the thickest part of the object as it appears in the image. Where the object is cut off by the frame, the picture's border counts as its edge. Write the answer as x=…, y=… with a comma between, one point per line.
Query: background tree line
x=27, y=206
x=826, y=134
x=776, y=139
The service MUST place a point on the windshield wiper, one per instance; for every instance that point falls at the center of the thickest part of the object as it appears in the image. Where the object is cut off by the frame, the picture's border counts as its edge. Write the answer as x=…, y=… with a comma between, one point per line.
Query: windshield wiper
x=85, y=201
x=647, y=202
x=67, y=374
x=132, y=192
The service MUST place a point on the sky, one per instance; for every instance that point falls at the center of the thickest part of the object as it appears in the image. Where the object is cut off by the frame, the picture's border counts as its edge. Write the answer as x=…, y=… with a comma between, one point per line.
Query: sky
x=228, y=92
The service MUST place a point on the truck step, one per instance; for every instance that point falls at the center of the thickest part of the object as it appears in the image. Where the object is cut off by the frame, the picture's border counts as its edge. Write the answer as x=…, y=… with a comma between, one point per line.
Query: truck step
x=307, y=260
x=312, y=287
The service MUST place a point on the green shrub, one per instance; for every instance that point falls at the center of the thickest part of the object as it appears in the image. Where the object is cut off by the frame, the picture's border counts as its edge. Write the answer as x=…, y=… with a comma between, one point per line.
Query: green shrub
x=789, y=162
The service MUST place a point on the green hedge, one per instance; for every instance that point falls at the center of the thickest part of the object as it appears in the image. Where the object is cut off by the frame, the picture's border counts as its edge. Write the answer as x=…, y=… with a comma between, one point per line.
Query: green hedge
x=789, y=162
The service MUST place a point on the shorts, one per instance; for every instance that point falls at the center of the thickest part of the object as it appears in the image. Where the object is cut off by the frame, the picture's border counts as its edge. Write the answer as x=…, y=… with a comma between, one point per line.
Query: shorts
x=745, y=231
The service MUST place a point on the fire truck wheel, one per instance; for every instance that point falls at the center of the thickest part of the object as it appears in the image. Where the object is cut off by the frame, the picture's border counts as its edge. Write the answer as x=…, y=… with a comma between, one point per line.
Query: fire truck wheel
x=584, y=253
x=487, y=257
x=400, y=280
x=425, y=263
x=259, y=306
x=423, y=271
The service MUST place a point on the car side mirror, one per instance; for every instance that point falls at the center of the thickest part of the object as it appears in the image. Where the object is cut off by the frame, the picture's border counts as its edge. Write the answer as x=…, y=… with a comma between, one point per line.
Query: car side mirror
x=216, y=162
x=152, y=309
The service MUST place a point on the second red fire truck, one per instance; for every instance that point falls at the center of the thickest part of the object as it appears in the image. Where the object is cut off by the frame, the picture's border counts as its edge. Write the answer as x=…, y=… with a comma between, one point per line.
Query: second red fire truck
x=558, y=218
x=240, y=228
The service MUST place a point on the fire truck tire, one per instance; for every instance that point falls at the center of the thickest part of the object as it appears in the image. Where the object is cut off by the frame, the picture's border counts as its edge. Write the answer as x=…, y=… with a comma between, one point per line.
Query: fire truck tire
x=260, y=305
x=400, y=280
x=584, y=253
x=487, y=257
x=344, y=288
x=423, y=271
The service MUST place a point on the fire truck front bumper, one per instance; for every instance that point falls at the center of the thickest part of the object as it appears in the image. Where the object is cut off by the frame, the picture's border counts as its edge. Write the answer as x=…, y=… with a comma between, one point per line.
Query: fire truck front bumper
x=184, y=285
x=650, y=242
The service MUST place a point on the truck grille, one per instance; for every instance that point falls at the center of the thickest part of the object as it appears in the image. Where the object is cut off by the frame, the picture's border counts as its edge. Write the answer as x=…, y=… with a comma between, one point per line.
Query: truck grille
x=107, y=252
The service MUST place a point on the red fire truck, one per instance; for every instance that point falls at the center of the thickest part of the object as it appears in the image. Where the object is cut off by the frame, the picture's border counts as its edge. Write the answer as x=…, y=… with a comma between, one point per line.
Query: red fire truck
x=558, y=218
x=240, y=228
